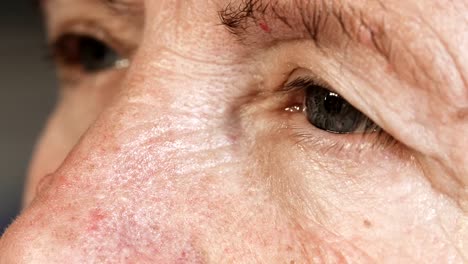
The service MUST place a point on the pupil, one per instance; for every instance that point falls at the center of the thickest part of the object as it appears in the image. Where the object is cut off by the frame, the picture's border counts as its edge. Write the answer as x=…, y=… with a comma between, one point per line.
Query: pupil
x=95, y=55
x=328, y=111
x=89, y=54
x=333, y=103
x=98, y=53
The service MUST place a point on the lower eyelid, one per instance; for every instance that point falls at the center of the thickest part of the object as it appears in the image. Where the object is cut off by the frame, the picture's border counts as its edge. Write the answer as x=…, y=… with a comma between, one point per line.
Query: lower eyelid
x=347, y=146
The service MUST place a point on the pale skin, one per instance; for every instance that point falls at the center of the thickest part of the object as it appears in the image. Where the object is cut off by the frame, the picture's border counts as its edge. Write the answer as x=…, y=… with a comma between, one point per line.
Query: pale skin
x=195, y=152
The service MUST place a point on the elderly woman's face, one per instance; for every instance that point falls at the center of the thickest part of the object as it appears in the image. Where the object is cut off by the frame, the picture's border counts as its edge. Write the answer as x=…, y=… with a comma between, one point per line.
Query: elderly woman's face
x=251, y=132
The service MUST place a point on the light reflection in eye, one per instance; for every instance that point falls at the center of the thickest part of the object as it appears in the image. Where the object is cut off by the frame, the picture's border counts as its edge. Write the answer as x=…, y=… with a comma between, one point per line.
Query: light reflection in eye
x=123, y=63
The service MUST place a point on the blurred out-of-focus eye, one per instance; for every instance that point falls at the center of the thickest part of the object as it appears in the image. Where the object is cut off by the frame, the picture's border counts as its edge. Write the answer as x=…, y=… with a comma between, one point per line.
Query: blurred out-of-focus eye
x=329, y=111
x=85, y=52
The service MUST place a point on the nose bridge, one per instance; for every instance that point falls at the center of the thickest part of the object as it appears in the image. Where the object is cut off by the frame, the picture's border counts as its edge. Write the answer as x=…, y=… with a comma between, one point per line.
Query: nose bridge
x=167, y=133
x=145, y=174
x=170, y=118
x=181, y=66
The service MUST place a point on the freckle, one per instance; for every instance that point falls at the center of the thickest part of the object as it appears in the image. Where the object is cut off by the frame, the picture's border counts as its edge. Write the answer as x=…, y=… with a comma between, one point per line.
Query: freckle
x=367, y=223
x=463, y=114
x=264, y=26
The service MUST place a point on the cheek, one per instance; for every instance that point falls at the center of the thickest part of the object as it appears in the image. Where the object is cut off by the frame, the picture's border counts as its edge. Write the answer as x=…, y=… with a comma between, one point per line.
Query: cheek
x=369, y=198
x=168, y=195
x=152, y=206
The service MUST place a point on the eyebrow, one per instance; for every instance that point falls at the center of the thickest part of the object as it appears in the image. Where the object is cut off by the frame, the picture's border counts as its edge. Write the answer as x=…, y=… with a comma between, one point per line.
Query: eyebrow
x=238, y=16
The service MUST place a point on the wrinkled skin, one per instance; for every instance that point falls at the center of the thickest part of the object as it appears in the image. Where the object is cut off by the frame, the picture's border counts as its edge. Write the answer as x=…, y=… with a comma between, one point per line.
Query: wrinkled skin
x=188, y=155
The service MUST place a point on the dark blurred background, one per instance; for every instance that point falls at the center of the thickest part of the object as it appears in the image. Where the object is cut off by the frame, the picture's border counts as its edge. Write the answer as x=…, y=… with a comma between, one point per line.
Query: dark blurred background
x=27, y=95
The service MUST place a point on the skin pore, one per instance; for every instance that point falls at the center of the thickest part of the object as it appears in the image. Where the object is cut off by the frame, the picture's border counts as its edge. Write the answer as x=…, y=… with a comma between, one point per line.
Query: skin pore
x=201, y=150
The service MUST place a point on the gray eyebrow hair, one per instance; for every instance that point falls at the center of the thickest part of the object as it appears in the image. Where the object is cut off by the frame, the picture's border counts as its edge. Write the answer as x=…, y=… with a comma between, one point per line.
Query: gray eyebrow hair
x=235, y=15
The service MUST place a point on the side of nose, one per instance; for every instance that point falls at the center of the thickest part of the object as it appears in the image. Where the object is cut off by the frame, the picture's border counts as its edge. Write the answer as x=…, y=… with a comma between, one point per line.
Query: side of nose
x=144, y=181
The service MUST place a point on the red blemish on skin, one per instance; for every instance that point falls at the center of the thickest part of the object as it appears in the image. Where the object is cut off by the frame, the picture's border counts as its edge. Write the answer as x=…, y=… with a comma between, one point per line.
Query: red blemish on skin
x=95, y=218
x=264, y=26
x=389, y=69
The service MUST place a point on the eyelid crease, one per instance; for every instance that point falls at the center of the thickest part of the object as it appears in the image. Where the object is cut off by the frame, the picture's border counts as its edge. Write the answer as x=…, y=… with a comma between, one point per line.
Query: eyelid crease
x=305, y=81
x=92, y=30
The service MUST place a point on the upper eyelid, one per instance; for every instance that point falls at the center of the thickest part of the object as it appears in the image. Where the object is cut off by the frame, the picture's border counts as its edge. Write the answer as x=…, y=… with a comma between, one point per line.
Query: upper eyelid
x=301, y=82
x=80, y=27
x=120, y=23
x=92, y=29
x=305, y=80
x=121, y=63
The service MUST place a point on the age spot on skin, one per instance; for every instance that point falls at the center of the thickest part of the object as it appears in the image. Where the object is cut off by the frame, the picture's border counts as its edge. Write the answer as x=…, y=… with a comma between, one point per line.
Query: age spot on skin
x=367, y=223
x=463, y=114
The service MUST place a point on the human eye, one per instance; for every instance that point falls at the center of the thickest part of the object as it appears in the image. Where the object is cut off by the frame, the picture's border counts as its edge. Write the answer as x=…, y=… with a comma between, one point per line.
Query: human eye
x=321, y=117
x=329, y=111
x=86, y=53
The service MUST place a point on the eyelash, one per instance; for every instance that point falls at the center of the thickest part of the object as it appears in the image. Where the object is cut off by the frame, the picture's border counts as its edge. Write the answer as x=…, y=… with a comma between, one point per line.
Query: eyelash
x=369, y=140
x=84, y=52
